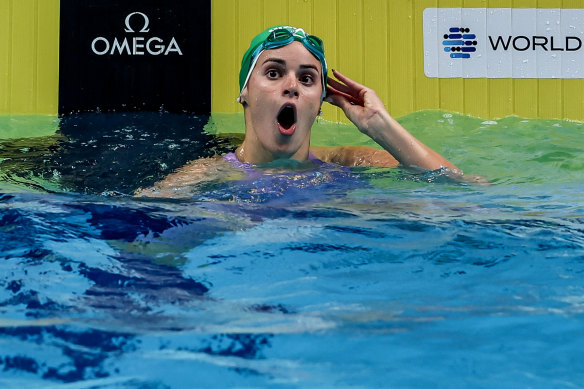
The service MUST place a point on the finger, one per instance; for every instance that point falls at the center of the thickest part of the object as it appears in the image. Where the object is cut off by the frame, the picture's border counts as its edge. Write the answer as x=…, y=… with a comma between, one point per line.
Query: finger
x=334, y=100
x=341, y=102
x=355, y=90
x=351, y=99
x=338, y=86
x=347, y=81
x=334, y=96
x=339, y=99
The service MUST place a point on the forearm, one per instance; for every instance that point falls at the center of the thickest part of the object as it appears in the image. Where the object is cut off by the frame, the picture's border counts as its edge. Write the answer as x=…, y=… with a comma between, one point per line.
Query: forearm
x=366, y=110
x=402, y=145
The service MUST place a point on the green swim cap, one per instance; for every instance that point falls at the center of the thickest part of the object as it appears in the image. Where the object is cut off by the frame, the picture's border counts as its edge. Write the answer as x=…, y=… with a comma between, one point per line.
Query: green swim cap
x=279, y=36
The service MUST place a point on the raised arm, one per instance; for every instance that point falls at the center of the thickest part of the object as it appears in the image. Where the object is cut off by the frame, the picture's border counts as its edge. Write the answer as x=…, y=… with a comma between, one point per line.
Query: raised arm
x=366, y=110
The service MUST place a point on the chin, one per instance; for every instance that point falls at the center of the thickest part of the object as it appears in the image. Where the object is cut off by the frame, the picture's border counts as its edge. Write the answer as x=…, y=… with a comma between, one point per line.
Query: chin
x=284, y=151
x=283, y=148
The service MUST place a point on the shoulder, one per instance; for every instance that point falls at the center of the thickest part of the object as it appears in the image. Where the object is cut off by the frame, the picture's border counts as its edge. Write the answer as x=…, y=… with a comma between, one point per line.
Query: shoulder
x=181, y=181
x=354, y=156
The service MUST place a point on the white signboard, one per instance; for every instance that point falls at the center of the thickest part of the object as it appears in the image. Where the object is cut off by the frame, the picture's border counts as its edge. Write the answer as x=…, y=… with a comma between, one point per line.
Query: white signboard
x=503, y=43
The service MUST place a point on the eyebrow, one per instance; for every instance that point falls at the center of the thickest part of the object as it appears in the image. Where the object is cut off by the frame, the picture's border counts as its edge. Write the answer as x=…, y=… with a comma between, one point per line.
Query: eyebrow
x=283, y=63
x=277, y=60
x=309, y=67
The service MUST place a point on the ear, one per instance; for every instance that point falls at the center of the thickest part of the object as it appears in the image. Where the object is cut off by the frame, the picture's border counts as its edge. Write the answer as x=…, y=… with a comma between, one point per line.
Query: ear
x=243, y=96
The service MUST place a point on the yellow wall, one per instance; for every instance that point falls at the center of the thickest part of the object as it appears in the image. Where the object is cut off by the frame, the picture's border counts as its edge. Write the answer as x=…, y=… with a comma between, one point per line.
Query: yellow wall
x=380, y=43
x=29, y=56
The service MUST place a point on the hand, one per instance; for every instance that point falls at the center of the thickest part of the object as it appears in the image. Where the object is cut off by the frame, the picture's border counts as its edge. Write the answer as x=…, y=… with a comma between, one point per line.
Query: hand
x=360, y=104
x=366, y=110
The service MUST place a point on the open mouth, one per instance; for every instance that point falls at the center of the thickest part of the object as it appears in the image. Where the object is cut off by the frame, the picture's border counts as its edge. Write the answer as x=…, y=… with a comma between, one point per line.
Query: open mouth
x=287, y=119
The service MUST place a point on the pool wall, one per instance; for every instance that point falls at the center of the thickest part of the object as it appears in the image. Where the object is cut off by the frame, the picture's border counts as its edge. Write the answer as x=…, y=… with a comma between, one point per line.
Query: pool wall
x=378, y=42
x=381, y=44
x=29, y=56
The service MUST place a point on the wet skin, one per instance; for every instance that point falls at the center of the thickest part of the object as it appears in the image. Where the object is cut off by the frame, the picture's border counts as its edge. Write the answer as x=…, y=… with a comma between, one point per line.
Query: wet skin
x=289, y=75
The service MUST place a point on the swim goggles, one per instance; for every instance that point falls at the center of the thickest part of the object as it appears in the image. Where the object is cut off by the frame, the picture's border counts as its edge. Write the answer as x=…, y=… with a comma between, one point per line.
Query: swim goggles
x=280, y=36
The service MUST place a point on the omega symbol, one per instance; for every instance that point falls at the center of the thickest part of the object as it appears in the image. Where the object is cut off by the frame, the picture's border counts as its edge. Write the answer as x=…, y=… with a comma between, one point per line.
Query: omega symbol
x=146, y=22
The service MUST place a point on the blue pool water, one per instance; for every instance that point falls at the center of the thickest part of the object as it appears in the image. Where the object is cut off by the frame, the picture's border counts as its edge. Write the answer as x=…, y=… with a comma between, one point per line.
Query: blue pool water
x=365, y=278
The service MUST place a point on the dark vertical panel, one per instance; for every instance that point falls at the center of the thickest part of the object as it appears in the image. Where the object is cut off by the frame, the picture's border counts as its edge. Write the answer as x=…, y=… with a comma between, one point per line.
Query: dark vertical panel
x=164, y=64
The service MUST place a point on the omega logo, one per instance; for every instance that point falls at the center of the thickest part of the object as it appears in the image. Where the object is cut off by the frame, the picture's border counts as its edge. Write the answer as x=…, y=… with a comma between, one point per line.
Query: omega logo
x=137, y=45
x=146, y=22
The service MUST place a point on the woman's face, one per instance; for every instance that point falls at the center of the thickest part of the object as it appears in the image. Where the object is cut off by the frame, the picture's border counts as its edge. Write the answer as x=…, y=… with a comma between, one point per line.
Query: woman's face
x=282, y=101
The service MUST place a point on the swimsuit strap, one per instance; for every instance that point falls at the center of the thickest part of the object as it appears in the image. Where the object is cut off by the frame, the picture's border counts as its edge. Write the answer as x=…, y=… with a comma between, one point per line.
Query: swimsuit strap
x=313, y=159
x=247, y=167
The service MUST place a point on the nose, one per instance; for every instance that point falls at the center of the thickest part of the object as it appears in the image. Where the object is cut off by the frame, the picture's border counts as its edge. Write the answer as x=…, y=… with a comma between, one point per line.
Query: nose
x=291, y=86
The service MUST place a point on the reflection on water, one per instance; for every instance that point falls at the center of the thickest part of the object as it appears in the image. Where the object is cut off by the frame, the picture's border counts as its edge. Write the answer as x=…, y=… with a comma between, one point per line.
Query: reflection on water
x=367, y=278
x=99, y=152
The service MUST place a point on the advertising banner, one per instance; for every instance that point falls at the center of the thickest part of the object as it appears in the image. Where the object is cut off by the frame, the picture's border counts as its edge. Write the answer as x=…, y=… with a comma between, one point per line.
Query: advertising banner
x=135, y=55
x=503, y=43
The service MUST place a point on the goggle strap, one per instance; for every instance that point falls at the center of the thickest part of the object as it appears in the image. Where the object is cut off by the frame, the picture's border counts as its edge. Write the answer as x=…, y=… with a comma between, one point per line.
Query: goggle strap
x=255, y=57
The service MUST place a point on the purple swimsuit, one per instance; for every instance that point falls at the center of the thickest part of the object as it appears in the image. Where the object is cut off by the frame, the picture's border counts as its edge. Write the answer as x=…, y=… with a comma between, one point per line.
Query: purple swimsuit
x=252, y=171
x=275, y=186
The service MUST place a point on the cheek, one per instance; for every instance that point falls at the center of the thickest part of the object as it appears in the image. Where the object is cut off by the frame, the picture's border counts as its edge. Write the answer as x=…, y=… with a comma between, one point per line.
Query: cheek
x=263, y=94
x=314, y=98
x=314, y=104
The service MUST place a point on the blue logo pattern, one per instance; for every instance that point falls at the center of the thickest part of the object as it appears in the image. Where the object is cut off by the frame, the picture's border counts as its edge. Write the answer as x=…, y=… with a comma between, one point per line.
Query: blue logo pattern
x=459, y=43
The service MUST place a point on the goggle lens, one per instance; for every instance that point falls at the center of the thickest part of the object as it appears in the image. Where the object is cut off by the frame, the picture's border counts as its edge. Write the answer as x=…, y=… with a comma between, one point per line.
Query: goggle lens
x=279, y=35
x=315, y=42
x=282, y=37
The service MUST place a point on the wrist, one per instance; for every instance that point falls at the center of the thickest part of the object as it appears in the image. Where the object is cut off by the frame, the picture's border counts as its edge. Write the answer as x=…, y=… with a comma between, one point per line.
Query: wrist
x=378, y=123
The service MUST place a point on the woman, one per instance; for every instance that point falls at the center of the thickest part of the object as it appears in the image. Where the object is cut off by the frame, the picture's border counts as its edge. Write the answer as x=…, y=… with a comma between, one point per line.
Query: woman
x=283, y=83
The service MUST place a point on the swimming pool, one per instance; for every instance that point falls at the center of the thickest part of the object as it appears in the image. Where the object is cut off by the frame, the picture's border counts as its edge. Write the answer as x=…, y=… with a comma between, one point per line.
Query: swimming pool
x=368, y=278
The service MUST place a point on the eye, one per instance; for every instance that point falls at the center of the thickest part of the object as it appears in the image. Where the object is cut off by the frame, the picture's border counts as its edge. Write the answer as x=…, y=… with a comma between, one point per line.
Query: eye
x=272, y=74
x=307, y=79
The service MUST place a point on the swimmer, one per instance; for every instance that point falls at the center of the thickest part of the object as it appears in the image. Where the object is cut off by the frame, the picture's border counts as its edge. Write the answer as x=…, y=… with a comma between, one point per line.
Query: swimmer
x=283, y=83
